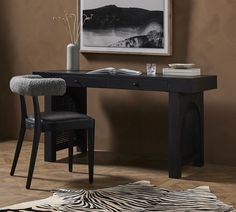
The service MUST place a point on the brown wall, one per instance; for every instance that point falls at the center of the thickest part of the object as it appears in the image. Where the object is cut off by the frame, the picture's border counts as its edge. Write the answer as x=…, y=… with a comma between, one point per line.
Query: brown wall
x=128, y=121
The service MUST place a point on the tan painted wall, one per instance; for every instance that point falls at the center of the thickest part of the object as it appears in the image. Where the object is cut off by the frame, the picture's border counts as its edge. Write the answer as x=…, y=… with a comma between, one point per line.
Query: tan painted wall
x=128, y=121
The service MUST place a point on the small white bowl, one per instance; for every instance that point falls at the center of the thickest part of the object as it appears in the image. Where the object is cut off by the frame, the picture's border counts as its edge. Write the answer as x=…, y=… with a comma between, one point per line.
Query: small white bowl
x=181, y=65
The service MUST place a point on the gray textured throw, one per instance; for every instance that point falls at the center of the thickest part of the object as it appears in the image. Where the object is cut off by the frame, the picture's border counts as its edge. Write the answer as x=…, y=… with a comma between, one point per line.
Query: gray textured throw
x=139, y=196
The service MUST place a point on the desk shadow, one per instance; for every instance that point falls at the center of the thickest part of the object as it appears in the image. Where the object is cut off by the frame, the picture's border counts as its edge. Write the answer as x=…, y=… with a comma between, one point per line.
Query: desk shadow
x=116, y=159
x=214, y=174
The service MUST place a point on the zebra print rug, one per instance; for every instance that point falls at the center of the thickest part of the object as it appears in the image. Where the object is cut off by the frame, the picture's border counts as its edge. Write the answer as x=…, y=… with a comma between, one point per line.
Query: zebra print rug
x=139, y=196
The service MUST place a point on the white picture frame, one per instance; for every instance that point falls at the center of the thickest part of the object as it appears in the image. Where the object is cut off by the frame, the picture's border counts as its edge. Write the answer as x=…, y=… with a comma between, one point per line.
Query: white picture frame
x=126, y=27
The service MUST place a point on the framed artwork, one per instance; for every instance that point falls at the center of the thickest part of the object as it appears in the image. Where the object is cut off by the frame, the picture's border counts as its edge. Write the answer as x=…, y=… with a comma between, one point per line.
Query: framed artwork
x=126, y=26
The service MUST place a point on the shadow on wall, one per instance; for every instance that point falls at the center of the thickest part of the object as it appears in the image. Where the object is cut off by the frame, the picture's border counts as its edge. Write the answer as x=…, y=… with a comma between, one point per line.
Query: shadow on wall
x=181, y=21
x=7, y=110
x=139, y=121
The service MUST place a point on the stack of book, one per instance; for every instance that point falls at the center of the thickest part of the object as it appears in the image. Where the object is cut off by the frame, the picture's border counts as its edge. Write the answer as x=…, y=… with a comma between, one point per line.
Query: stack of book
x=180, y=69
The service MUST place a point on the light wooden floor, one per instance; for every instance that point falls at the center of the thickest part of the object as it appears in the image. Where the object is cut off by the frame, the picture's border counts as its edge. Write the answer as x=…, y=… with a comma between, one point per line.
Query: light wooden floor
x=110, y=170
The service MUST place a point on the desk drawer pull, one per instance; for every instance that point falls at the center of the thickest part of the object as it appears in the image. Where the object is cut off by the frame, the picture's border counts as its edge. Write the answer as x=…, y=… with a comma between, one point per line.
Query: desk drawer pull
x=135, y=84
x=78, y=82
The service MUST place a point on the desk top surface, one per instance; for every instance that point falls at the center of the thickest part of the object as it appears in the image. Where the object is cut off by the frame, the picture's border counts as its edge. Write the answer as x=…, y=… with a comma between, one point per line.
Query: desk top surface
x=143, y=75
x=159, y=82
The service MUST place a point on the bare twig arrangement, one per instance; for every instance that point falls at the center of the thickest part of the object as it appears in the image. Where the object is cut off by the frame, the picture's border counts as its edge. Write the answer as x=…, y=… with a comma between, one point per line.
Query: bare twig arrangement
x=70, y=21
x=72, y=25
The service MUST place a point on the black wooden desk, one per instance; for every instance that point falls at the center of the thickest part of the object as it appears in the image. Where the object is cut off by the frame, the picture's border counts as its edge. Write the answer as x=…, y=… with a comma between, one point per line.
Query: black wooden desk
x=186, y=110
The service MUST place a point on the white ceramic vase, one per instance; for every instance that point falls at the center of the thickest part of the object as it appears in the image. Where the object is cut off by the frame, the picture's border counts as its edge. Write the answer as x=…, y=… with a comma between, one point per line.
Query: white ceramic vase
x=72, y=61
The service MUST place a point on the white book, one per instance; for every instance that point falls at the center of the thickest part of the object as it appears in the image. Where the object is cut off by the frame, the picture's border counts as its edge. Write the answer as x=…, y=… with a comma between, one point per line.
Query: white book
x=181, y=65
x=182, y=72
x=111, y=70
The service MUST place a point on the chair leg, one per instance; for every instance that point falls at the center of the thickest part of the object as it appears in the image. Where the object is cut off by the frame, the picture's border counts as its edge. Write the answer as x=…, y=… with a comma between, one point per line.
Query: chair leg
x=91, y=153
x=70, y=155
x=18, y=148
x=37, y=132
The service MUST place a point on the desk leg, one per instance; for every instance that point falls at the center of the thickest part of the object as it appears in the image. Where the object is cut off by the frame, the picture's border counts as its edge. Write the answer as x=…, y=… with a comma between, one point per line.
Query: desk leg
x=75, y=99
x=186, y=135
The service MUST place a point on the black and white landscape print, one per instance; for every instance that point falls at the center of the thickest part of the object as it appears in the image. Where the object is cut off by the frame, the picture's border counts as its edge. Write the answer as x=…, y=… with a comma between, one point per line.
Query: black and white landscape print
x=129, y=26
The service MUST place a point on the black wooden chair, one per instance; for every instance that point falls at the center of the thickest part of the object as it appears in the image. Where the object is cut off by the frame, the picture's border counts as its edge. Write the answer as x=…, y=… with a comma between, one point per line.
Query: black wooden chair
x=35, y=85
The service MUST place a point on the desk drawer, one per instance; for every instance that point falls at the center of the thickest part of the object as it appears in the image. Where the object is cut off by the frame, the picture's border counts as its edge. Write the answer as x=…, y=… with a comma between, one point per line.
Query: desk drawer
x=138, y=84
x=130, y=83
x=86, y=82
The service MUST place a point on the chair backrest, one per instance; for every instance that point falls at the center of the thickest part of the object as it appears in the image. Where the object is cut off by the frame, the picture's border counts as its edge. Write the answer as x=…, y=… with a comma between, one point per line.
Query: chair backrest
x=35, y=85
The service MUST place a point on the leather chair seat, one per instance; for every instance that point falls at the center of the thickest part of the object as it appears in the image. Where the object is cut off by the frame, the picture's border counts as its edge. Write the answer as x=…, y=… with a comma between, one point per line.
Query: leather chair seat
x=62, y=115
x=60, y=120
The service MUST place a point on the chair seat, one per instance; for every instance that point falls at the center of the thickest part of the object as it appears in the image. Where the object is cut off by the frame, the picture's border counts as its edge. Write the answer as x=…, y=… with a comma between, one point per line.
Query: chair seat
x=62, y=115
x=61, y=120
